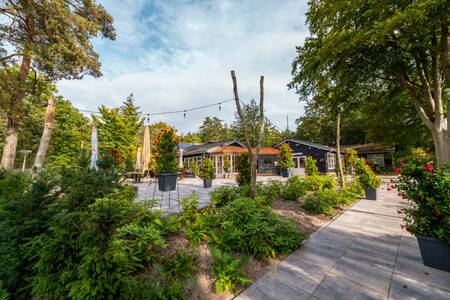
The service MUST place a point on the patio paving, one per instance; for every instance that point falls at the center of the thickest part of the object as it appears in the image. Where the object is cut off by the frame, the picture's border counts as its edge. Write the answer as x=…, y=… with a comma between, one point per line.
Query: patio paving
x=170, y=204
x=362, y=254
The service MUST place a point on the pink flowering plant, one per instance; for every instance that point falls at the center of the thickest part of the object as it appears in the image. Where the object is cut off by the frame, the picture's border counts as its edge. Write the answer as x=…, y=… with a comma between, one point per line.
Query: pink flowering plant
x=428, y=189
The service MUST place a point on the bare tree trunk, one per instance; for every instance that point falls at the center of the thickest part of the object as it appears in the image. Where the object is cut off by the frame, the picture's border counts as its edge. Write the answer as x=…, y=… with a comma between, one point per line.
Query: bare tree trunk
x=338, y=151
x=12, y=134
x=441, y=141
x=45, y=139
x=253, y=154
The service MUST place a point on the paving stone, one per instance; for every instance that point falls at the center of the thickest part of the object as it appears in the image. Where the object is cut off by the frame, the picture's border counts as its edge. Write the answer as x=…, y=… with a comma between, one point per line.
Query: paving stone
x=405, y=288
x=335, y=287
x=301, y=273
x=319, y=253
x=269, y=287
x=370, y=275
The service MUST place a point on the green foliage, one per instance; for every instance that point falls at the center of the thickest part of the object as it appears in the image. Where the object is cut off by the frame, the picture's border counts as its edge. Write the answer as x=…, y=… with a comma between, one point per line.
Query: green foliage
x=286, y=156
x=428, y=190
x=207, y=169
x=268, y=191
x=364, y=173
x=222, y=195
x=243, y=169
x=119, y=133
x=213, y=130
x=25, y=210
x=228, y=271
x=3, y=294
x=226, y=163
x=321, y=202
x=166, y=152
x=251, y=113
x=195, y=168
x=311, y=166
x=351, y=193
x=246, y=227
x=294, y=188
x=320, y=182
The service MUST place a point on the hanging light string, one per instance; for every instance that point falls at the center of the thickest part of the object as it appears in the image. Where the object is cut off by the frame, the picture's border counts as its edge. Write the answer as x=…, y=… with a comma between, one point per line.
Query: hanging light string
x=184, y=111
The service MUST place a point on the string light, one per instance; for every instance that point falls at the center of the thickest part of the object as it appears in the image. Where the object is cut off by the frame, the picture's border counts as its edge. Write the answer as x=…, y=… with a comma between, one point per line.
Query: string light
x=220, y=107
x=184, y=114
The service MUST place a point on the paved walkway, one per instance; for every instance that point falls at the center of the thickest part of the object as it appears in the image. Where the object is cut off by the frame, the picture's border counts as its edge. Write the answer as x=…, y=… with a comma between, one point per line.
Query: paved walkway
x=169, y=203
x=363, y=254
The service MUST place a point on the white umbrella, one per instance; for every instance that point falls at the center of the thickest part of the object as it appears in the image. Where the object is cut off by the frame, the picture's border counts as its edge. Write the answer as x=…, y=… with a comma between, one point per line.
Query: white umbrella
x=94, y=148
x=138, y=164
x=146, y=151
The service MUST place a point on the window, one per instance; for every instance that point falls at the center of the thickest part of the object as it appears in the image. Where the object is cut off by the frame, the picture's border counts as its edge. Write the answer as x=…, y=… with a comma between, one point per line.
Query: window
x=331, y=161
x=376, y=159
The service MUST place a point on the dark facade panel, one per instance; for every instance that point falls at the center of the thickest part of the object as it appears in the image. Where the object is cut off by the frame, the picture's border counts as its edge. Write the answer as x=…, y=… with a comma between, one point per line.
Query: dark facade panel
x=318, y=154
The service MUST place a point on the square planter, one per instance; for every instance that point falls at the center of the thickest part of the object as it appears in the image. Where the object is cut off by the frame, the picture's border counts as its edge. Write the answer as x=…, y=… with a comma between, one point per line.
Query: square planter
x=371, y=194
x=435, y=253
x=207, y=183
x=167, y=182
x=285, y=172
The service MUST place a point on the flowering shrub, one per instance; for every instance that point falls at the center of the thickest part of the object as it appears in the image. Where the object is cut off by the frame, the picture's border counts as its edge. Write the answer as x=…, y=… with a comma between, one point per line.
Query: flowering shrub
x=428, y=189
x=364, y=173
x=286, y=157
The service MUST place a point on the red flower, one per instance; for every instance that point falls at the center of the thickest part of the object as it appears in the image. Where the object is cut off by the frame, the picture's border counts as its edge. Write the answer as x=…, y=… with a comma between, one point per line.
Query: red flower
x=429, y=168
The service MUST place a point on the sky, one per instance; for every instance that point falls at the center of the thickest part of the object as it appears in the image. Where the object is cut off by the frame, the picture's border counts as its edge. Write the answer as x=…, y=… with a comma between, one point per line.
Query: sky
x=174, y=55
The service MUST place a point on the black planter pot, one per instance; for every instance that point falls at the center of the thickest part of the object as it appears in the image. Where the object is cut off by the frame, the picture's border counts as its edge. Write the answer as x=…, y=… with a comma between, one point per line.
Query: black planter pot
x=207, y=183
x=285, y=173
x=371, y=194
x=167, y=182
x=435, y=253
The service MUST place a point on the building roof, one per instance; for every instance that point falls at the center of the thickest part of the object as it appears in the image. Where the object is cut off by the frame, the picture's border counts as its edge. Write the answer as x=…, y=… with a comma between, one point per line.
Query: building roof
x=235, y=149
x=371, y=148
x=309, y=144
x=208, y=147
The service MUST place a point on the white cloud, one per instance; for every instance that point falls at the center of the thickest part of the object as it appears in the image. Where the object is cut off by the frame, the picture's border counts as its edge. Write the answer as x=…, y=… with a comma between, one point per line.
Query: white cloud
x=178, y=54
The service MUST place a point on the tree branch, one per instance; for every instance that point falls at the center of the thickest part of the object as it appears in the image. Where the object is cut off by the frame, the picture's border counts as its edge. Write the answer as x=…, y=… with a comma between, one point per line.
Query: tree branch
x=425, y=84
x=261, y=115
x=240, y=113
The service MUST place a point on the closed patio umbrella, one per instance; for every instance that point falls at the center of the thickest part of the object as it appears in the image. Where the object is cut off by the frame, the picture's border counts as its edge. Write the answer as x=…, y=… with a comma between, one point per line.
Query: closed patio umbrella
x=138, y=164
x=94, y=148
x=146, y=151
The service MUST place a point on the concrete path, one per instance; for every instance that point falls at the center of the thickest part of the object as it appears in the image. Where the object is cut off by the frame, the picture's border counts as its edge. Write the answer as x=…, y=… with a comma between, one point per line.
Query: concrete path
x=363, y=254
x=169, y=203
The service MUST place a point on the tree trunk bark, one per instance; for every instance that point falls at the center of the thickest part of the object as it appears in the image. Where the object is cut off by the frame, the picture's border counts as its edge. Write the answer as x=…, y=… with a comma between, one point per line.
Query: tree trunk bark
x=9, y=149
x=12, y=135
x=338, y=151
x=441, y=141
x=46, y=134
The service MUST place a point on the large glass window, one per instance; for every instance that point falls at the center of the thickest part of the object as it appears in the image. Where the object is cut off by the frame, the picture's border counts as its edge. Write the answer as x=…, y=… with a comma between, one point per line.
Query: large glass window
x=331, y=161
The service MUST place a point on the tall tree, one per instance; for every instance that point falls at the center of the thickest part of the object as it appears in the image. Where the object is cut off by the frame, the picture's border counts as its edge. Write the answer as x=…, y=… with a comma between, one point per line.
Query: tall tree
x=50, y=38
x=362, y=48
x=213, y=130
x=251, y=112
x=253, y=153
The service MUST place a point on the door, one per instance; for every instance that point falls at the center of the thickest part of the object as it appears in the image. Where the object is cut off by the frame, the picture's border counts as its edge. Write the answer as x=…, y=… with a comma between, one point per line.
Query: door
x=299, y=165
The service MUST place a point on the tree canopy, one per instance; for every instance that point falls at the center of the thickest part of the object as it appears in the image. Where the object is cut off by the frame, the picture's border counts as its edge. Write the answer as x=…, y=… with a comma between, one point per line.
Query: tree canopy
x=213, y=129
x=359, y=50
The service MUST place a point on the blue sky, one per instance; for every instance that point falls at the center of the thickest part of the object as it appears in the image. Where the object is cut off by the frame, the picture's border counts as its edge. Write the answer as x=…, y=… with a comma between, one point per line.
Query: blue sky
x=178, y=54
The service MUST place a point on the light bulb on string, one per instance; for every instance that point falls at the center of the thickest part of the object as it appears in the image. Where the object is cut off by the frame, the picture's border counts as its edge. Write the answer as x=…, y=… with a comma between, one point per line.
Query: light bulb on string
x=220, y=107
x=184, y=114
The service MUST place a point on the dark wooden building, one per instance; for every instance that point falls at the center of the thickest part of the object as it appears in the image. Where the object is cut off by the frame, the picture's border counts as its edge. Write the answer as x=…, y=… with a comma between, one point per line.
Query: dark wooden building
x=324, y=155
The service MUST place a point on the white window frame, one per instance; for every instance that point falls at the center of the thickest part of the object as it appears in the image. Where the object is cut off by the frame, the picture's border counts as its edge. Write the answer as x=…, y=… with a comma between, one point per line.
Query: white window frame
x=331, y=161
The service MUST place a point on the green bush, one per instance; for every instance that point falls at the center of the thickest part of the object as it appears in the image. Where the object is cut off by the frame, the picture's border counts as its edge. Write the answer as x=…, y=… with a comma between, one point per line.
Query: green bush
x=351, y=193
x=247, y=227
x=311, y=166
x=224, y=194
x=228, y=271
x=243, y=168
x=294, y=188
x=207, y=169
x=268, y=192
x=3, y=294
x=321, y=202
x=286, y=157
x=319, y=182
x=25, y=210
x=166, y=152
x=363, y=172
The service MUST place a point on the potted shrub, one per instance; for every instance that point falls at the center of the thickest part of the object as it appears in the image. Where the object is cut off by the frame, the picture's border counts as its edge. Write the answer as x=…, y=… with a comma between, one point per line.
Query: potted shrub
x=428, y=217
x=167, y=162
x=285, y=160
x=365, y=176
x=311, y=166
x=207, y=172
